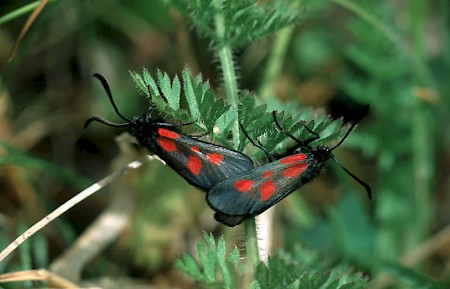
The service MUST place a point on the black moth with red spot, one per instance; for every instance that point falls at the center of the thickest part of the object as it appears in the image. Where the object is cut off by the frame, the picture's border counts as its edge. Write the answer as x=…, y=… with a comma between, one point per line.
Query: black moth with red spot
x=200, y=163
x=251, y=193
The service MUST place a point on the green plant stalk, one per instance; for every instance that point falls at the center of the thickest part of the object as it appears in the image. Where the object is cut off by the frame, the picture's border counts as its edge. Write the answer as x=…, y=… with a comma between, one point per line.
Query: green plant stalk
x=423, y=171
x=251, y=242
x=229, y=74
x=275, y=63
x=418, y=14
x=445, y=32
x=422, y=133
x=25, y=253
x=231, y=90
x=20, y=12
x=419, y=66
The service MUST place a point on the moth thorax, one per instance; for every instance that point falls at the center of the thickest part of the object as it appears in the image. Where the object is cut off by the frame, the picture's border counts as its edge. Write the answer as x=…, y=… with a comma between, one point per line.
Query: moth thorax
x=143, y=130
x=321, y=153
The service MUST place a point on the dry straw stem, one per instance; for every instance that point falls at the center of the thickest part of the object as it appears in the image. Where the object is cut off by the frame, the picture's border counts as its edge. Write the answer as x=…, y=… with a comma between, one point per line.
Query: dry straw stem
x=38, y=275
x=27, y=27
x=69, y=204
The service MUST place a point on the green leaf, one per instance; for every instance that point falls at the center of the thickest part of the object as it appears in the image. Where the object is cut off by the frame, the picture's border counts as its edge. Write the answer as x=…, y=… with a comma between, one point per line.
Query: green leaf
x=140, y=83
x=352, y=285
x=13, y=156
x=262, y=274
x=411, y=278
x=317, y=280
x=208, y=269
x=224, y=123
x=214, y=115
x=39, y=245
x=210, y=253
x=187, y=264
x=171, y=91
x=244, y=21
x=354, y=237
x=150, y=83
x=283, y=274
x=190, y=95
x=333, y=285
x=321, y=279
x=254, y=285
x=234, y=257
x=221, y=250
x=212, y=256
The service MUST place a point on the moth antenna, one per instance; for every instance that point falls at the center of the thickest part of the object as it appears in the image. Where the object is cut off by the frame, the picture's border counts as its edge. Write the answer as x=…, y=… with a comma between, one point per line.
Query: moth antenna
x=104, y=121
x=274, y=113
x=316, y=136
x=299, y=142
x=108, y=92
x=362, y=183
x=346, y=135
x=257, y=144
x=364, y=110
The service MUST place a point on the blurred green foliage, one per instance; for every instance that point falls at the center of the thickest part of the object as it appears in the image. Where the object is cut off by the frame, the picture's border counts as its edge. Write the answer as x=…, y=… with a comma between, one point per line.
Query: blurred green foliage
x=217, y=63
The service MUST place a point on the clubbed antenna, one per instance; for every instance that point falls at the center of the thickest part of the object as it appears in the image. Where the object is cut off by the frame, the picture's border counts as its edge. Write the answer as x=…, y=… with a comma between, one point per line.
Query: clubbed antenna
x=111, y=99
x=364, y=111
x=104, y=121
x=365, y=185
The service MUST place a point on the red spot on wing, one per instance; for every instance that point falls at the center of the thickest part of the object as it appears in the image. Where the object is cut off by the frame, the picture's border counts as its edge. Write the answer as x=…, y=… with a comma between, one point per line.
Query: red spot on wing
x=295, y=170
x=195, y=164
x=267, y=190
x=167, y=145
x=293, y=159
x=215, y=158
x=195, y=149
x=267, y=174
x=243, y=185
x=168, y=133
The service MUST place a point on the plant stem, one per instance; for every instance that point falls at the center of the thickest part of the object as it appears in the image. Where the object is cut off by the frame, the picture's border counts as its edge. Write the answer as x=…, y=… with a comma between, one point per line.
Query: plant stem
x=251, y=242
x=422, y=127
x=422, y=133
x=228, y=71
x=20, y=12
x=445, y=32
x=231, y=90
x=275, y=62
x=70, y=204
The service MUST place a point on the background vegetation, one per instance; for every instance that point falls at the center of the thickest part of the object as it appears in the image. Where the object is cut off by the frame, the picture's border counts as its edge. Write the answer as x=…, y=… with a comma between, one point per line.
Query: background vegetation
x=312, y=59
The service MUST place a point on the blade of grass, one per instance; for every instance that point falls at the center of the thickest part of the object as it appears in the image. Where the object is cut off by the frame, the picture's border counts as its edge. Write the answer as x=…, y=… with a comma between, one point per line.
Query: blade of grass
x=37, y=11
x=20, y=12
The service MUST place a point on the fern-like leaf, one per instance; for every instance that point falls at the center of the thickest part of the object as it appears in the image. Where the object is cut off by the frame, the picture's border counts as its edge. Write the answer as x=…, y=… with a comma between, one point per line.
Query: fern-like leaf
x=291, y=274
x=214, y=115
x=245, y=21
x=202, y=106
x=215, y=268
x=260, y=125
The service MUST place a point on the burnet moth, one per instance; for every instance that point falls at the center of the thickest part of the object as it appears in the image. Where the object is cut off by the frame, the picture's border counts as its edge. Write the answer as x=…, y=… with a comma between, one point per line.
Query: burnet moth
x=200, y=163
x=251, y=193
